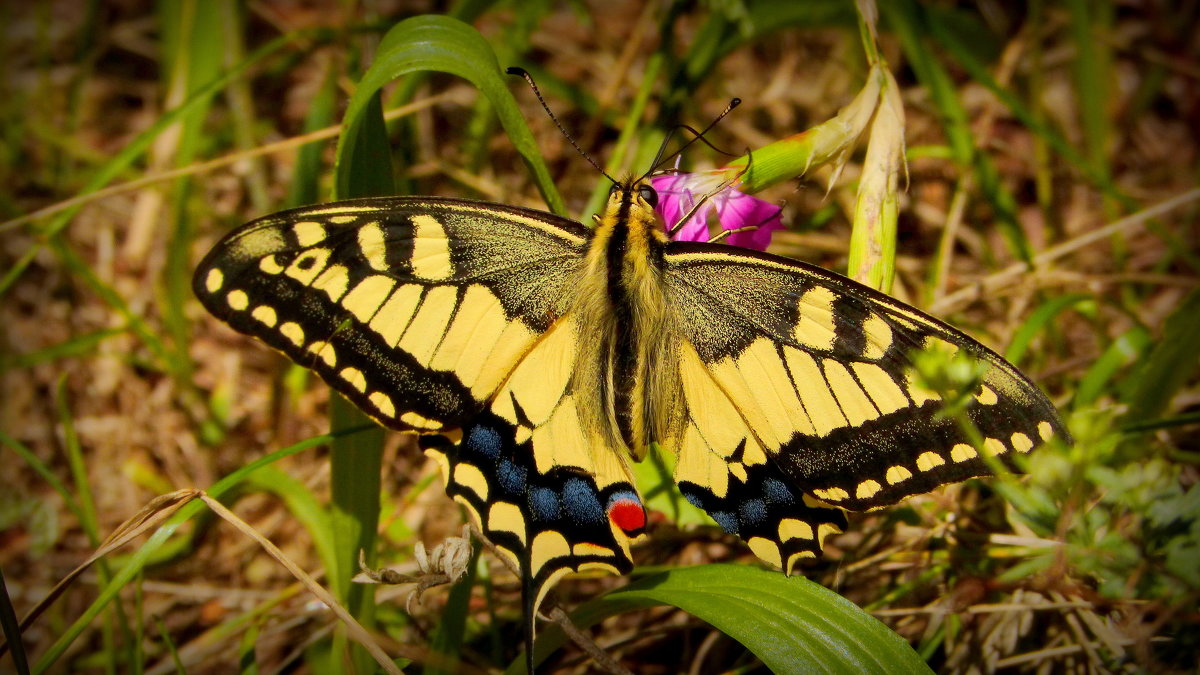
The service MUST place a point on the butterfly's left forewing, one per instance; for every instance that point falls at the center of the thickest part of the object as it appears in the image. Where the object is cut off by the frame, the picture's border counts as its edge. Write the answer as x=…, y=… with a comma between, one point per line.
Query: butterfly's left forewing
x=415, y=309
x=801, y=390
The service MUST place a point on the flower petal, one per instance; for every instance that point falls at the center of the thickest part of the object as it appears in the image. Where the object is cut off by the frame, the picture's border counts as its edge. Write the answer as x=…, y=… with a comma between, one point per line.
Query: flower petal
x=676, y=199
x=758, y=239
x=735, y=210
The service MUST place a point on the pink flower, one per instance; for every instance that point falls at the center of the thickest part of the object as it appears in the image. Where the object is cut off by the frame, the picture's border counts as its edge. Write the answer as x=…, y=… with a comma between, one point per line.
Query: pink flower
x=678, y=193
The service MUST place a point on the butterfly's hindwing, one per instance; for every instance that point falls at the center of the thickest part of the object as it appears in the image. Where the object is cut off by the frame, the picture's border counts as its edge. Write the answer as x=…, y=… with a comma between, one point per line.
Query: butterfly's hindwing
x=757, y=503
x=548, y=521
x=416, y=309
x=812, y=374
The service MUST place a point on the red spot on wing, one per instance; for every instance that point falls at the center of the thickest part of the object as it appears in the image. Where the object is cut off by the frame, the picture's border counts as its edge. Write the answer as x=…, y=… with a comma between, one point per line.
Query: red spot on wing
x=628, y=515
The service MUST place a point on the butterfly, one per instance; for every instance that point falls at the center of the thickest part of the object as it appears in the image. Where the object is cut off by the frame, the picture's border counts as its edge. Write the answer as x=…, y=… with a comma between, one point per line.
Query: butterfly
x=537, y=357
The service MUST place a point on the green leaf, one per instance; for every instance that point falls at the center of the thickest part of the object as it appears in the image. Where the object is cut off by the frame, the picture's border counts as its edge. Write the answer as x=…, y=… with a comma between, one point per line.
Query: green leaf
x=1126, y=349
x=792, y=624
x=446, y=45
x=1038, y=321
x=1170, y=364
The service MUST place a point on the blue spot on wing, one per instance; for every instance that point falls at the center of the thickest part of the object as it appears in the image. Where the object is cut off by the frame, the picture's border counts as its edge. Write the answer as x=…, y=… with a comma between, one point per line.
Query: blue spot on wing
x=753, y=512
x=776, y=492
x=511, y=477
x=543, y=504
x=623, y=496
x=726, y=520
x=583, y=506
x=485, y=441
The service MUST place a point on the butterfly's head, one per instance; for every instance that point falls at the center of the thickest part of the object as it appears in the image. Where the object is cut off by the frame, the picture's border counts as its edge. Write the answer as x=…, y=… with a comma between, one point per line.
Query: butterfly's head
x=632, y=204
x=636, y=191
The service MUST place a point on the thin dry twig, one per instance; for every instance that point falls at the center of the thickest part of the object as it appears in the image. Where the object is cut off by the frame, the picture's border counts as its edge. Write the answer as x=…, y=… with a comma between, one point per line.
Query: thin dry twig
x=353, y=628
x=212, y=164
x=150, y=516
x=1012, y=273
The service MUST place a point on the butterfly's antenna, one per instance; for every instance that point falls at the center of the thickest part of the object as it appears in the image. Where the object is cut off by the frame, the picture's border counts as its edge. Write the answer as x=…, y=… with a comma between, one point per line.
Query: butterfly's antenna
x=515, y=70
x=697, y=136
x=658, y=157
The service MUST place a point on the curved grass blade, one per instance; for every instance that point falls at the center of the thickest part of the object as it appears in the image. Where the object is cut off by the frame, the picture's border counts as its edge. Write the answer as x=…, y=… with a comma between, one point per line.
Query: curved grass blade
x=1170, y=363
x=446, y=45
x=1127, y=348
x=356, y=461
x=1042, y=318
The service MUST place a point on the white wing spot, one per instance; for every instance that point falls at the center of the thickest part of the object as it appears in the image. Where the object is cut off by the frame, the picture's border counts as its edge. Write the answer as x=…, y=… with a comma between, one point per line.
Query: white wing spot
x=987, y=396
x=867, y=489
x=929, y=460
x=293, y=332
x=354, y=377
x=270, y=265
x=1021, y=442
x=993, y=447
x=1045, y=430
x=897, y=474
x=962, y=452
x=324, y=351
x=417, y=421
x=214, y=280
x=238, y=299
x=265, y=315
x=383, y=403
x=833, y=494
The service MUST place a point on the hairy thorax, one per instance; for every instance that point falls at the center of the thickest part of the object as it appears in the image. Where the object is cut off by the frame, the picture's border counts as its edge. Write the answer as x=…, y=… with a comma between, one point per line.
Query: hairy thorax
x=626, y=330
